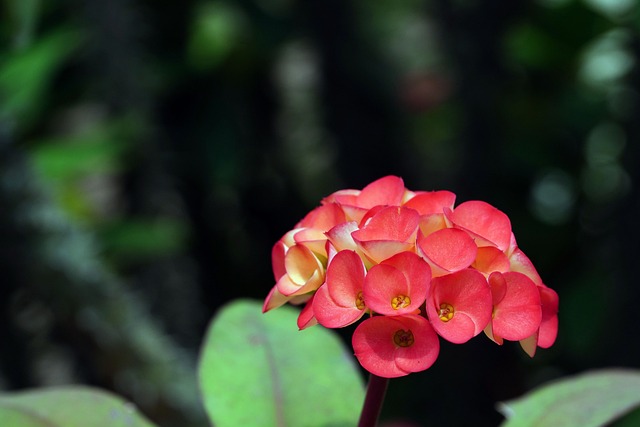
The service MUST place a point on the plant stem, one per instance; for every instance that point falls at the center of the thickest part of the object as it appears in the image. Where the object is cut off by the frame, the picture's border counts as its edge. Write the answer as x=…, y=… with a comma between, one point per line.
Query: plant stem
x=376, y=390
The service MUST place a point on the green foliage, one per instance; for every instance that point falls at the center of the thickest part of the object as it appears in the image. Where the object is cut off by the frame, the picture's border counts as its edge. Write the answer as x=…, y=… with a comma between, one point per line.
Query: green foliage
x=216, y=31
x=259, y=370
x=144, y=238
x=98, y=150
x=26, y=74
x=68, y=407
x=591, y=399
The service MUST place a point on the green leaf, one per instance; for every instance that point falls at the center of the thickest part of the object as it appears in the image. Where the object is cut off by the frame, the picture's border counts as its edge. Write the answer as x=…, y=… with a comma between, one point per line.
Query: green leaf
x=100, y=150
x=25, y=75
x=140, y=238
x=72, y=406
x=260, y=370
x=216, y=31
x=591, y=399
x=15, y=417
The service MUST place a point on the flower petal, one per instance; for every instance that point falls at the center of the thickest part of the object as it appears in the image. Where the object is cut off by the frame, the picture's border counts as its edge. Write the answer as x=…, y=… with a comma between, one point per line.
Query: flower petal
x=490, y=259
x=306, y=318
x=387, y=191
x=339, y=301
x=388, y=232
x=490, y=225
x=345, y=278
x=447, y=250
x=518, y=315
x=431, y=202
x=331, y=315
x=277, y=259
x=274, y=300
x=521, y=263
x=549, y=324
x=323, y=217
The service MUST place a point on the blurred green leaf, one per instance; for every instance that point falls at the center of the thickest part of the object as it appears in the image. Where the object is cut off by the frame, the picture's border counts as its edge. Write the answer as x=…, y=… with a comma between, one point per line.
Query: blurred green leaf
x=69, y=407
x=591, y=399
x=65, y=158
x=25, y=74
x=259, y=370
x=15, y=417
x=215, y=32
x=141, y=238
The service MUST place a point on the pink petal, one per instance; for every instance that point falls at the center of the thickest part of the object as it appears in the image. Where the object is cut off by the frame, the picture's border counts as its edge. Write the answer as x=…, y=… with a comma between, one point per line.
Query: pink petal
x=388, y=232
x=518, y=315
x=340, y=235
x=342, y=197
x=387, y=191
x=447, y=250
x=530, y=344
x=416, y=270
x=375, y=343
x=467, y=295
x=488, y=330
x=289, y=288
x=490, y=226
x=384, y=284
x=345, y=278
x=306, y=318
x=431, y=202
x=274, y=300
x=391, y=223
x=312, y=238
x=277, y=259
x=490, y=259
x=521, y=263
x=498, y=285
x=549, y=324
x=331, y=315
x=301, y=264
x=339, y=301
x=323, y=217
x=432, y=223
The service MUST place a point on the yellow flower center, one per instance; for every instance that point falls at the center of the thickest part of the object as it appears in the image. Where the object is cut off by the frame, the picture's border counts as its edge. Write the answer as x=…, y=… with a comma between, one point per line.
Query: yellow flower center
x=360, y=301
x=401, y=301
x=446, y=312
x=403, y=338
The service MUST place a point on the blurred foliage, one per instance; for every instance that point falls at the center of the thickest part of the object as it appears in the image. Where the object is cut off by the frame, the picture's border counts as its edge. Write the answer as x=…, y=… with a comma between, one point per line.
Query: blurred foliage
x=75, y=406
x=249, y=360
x=152, y=152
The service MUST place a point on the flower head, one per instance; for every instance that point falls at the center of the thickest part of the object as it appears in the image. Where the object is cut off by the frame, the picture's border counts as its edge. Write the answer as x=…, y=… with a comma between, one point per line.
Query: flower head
x=415, y=267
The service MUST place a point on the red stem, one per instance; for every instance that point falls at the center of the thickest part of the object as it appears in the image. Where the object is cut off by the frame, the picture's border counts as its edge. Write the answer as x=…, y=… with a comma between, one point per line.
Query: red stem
x=376, y=389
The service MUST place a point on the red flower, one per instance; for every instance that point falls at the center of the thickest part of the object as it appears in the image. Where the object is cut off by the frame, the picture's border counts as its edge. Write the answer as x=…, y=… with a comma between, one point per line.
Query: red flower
x=393, y=346
x=385, y=251
x=459, y=305
x=397, y=285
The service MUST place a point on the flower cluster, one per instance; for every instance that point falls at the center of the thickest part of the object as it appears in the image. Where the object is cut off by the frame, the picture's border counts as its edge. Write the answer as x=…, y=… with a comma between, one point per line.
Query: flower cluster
x=416, y=268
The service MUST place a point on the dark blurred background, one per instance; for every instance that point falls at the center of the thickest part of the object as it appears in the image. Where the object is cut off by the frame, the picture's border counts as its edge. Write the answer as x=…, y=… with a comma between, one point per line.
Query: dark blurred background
x=152, y=151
